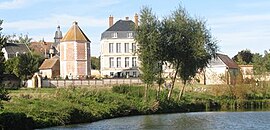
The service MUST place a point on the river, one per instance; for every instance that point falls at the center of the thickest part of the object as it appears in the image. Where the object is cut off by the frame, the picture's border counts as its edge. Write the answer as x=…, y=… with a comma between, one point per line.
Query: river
x=250, y=120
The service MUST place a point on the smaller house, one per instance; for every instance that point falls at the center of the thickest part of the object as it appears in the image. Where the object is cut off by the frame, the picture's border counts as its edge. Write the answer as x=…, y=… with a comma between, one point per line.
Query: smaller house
x=247, y=71
x=14, y=49
x=50, y=68
x=220, y=70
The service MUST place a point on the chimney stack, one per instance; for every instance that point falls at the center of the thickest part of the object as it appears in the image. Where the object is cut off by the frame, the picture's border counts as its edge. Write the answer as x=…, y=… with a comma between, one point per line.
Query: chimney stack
x=127, y=18
x=110, y=21
x=136, y=20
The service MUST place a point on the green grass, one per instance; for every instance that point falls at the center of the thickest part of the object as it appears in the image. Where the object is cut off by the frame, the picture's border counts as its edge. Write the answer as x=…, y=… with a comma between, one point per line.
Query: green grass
x=44, y=107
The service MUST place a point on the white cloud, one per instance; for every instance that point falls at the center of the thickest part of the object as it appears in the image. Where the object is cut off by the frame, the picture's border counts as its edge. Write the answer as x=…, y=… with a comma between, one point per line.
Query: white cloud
x=236, y=32
x=14, y=4
x=51, y=22
x=255, y=4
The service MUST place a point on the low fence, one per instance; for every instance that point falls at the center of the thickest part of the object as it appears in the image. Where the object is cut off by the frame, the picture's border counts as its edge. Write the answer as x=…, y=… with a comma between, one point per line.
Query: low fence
x=90, y=82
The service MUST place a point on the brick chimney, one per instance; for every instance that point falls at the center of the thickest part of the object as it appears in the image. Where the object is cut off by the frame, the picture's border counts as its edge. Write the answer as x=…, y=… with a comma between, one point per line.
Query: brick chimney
x=127, y=18
x=136, y=20
x=110, y=21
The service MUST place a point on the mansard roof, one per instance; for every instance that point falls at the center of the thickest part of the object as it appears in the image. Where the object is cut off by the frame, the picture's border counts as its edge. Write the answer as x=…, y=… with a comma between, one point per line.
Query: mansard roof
x=75, y=34
x=122, y=25
x=13, y=48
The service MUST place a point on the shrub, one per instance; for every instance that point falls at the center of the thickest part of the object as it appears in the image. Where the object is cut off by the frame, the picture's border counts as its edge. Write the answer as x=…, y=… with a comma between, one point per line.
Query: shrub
x=16, y=121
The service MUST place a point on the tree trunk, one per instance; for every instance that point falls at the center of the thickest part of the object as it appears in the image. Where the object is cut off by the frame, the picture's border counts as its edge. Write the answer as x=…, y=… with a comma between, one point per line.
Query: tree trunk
x=159, y=84
x=182, y=91
x=145, y=92
x=173, y=81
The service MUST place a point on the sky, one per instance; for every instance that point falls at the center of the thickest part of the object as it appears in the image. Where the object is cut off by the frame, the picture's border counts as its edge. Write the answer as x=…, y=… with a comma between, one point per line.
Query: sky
x=235, y=24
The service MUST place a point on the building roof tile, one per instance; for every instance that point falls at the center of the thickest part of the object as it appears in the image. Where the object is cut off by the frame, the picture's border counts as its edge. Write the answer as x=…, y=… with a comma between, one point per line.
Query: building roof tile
x=228, y=61
x=75, y=34
x=49, y=63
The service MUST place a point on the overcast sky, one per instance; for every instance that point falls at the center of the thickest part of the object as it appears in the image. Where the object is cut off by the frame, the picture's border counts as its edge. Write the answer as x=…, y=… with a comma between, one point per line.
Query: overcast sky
x=236, y=24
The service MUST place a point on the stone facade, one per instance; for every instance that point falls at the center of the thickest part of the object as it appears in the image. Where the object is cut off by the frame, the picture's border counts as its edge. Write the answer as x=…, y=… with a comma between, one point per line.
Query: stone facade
x=75, y=54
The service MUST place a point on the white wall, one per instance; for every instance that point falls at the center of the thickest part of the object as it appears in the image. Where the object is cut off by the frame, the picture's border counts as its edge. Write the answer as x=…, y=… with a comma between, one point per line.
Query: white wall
x=105, y=55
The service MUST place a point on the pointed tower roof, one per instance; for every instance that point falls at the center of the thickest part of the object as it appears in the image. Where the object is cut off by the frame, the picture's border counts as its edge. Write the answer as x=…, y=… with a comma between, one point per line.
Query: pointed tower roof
x=75, y=34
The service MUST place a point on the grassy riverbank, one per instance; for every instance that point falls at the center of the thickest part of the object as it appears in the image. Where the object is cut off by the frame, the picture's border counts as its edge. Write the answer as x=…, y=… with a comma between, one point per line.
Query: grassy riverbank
x=38, y=108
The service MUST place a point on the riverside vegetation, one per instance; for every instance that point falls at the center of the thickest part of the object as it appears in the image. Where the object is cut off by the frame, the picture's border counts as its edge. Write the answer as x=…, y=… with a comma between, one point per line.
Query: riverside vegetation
x=45, y=107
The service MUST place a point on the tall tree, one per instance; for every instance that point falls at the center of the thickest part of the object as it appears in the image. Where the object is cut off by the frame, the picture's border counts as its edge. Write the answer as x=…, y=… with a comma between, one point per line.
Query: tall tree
x=190, y=43
x=24, y=66
x=3, y=92
x=243, y=57
x=95, y=63
x=147, y=36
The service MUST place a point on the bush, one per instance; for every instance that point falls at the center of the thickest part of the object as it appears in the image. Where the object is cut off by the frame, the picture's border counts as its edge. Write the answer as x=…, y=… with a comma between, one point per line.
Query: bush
x=16, y=121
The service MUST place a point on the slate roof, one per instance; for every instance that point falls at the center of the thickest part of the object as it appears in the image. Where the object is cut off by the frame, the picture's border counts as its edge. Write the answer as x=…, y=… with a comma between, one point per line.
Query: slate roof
x=49, y=63
x=13, y=48
x=228, y=61
x=122, y=27
x=75, y=34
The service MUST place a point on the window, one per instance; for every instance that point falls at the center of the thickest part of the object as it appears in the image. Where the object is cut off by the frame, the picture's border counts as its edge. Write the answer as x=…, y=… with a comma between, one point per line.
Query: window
x=114, y=35
x=118, y=62
x=134, y=63
x=127, y=74
x=110, y=47
x=126, y=48
x=111, y=74
x=111, y=62
x=130, y=35
x=134, y=74
x=127, y=62
x=118, y=48
x=133, y=47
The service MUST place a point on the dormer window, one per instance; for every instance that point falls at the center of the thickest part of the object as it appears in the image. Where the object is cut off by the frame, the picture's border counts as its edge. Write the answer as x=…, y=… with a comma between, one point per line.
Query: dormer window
x=114, y=35
x=130, y=35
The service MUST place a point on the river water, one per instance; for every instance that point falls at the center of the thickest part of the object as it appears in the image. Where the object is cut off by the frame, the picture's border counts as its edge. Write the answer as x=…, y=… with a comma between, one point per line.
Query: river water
x=182, y=121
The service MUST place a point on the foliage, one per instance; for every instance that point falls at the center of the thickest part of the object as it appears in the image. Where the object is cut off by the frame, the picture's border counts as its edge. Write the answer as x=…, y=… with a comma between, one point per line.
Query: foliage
x=243, y=57
x=23, y=66
x=95, y=63
x=61, y=106
x=3, y=93
x=24, y=39
x=147, y=37
x=16, y=121
x=190, y=44
x=261, y=63
x=2, y=58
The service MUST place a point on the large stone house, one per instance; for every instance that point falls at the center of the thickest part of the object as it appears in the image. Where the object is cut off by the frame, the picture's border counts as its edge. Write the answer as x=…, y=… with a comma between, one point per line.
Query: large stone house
x=75, y=54
x=118, y=46
x=220, y=70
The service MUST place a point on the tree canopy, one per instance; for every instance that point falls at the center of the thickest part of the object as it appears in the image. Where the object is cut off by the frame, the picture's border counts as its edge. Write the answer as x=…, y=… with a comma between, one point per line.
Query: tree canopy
x=243, y=57
x=179, y=39
x=147, y=37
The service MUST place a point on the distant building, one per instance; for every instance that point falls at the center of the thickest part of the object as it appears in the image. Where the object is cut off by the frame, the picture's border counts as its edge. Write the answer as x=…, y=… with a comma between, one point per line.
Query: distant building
x=41, y=48
x=220, y=70
x=118, y=46
x=14, y=49
x=247, y=71
x=50, y=68
x=57, y=37
x=75, y=58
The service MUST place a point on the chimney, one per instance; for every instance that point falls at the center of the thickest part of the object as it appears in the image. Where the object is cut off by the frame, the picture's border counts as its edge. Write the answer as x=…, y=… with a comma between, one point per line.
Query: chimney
x=136, y=20
x=127, y=18
x=110, y=21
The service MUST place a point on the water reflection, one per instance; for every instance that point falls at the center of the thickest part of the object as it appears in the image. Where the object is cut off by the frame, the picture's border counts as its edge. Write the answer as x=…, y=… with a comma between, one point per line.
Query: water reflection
x=184, y=121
